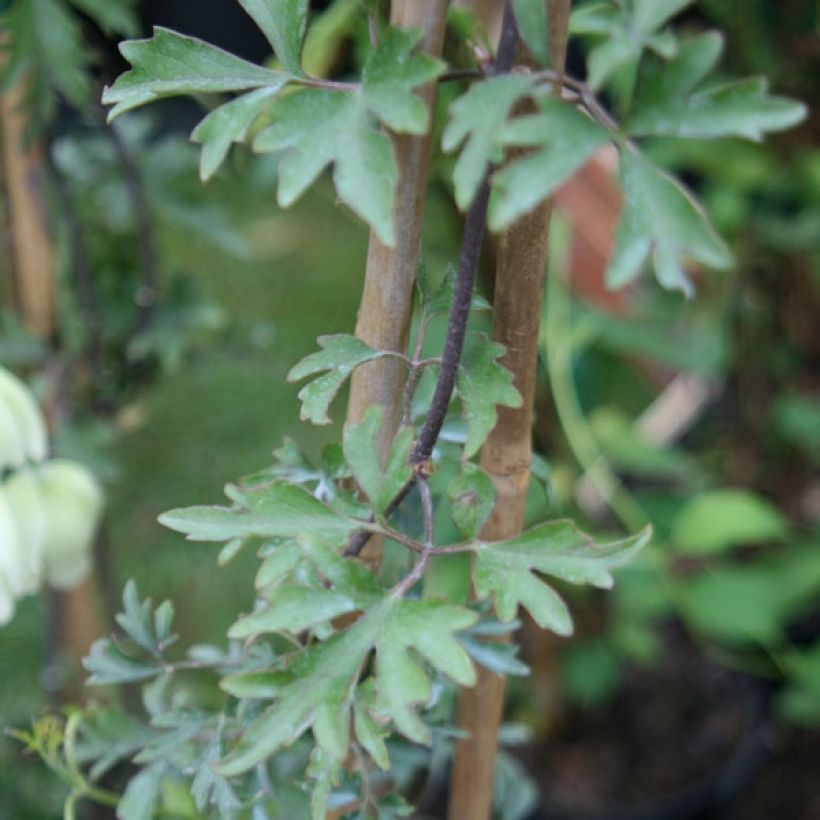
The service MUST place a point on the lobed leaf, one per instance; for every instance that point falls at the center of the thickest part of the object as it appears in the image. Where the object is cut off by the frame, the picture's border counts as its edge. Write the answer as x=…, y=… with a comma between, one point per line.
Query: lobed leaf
x=278, y=510
x=321, y=693
x=472, y=498
x=170, y=64
x=340, y=355
x=662, y=220
x=506, y=569
x=362, y=452
x=283, y=23
x=483, y=383
x=670, y=104
x=477, y=119
x=229, y=123
x=390, y=76
x=743, y=109
x=627, y=29
x=564, y=138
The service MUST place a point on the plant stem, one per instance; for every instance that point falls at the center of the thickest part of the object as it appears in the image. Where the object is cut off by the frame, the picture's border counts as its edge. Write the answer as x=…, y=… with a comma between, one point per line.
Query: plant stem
x=465, y=278
x=387, y=297
x=506, y=457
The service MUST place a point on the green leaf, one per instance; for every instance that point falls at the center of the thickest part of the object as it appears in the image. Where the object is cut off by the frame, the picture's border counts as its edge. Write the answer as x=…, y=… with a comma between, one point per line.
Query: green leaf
x=628, y=450
x=277, y=510
x=108, y=664
x=135, y=619
x=293, y=609
x=650, y=15
x=531, y=17
x=278, y=565
x=401, y=682
x=743, y=109
x=229, y=123
x=46, y=47
x=141, y=797
x=283, y=22
x=483, y=383
x=170, y=64
x=439, y=301
x=670, y=105
x=267, y=684
x=472, y=498
x=716, y=521
x=389, y=77
x=566, y=139
x=501, y=658
x=115, y=17
x=558, y=548
x=627, y=30
x=340, y=355
x=371, y=736
x=317, y=128
x=362, y=452
x=325, y=674
x=477, y=119
x=660, y=219
x=309, y=130
x=733, y=605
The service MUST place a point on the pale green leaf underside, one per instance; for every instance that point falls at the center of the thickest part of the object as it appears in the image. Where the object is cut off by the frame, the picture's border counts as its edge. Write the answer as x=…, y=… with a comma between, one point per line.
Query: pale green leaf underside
x=660, y=219
x=169, y=64
x=340, y=355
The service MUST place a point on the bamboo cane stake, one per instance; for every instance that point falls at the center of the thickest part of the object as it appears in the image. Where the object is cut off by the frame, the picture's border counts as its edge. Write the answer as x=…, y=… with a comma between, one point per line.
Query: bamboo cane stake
x=387, y=298
x=506, y=457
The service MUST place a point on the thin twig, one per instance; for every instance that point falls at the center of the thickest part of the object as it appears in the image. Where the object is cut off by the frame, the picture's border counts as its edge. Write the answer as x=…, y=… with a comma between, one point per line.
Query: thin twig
x=465, y=278
x=427, y=510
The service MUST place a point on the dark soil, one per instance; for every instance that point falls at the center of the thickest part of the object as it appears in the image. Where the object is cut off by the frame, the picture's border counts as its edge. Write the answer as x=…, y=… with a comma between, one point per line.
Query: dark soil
x=684, y=739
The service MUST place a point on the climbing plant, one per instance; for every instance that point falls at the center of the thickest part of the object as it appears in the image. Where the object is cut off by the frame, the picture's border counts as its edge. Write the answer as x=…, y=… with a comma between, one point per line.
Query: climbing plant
x=344, y=664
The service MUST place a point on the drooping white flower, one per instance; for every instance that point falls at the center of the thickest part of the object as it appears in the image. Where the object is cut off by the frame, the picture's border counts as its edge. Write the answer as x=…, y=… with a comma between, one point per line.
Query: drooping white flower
x=25, y=499
x=30, y=442
x=73, y=502
x=14, y=564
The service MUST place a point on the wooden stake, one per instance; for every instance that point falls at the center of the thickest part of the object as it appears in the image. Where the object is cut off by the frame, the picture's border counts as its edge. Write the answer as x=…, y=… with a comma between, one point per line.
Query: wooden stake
x=505, y=457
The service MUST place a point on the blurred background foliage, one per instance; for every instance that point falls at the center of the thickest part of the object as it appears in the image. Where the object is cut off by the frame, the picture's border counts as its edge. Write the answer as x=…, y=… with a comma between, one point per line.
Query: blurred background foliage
x=702, y=670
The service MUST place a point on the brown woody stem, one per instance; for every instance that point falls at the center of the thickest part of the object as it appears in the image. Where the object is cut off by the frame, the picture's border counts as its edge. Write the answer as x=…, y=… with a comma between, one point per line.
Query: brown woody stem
x=506, y=457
